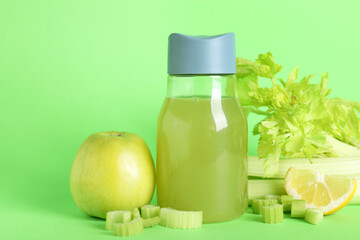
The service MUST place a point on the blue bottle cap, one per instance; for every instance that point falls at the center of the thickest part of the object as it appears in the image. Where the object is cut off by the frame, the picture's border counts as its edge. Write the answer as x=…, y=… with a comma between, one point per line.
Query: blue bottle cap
x=201, y=54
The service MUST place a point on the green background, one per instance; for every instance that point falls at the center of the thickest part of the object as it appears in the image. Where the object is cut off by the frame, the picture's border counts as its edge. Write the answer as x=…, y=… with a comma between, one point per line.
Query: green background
x=70, y=68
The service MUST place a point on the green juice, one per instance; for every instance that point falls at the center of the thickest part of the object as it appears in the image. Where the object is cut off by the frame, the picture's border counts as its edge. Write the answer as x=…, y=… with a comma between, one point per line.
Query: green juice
x=201, y=156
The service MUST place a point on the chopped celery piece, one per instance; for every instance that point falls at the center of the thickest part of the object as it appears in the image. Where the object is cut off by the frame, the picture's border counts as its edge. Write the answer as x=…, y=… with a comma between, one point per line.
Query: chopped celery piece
x=117, y=217
x=269, y=196
x=268, y=202
x=131, y=228
x=150, y=222
x=286, y=197
x=286, y=201
x=135, y=213
x=313, y=215
x=298, y=209
x=257, y=204
x=149, y=211
x=273, y=214
x=180, y=219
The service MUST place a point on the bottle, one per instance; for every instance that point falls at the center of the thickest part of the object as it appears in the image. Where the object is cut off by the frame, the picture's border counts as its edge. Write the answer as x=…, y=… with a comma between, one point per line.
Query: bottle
x=202, y=130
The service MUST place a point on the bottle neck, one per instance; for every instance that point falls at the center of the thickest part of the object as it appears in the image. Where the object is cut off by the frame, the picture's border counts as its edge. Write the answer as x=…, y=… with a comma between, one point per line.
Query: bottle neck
x=205, y=86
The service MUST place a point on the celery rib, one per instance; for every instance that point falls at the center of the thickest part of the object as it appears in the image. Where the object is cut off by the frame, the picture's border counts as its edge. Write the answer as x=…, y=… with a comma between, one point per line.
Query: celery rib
x=257, y=188
x=347, y=166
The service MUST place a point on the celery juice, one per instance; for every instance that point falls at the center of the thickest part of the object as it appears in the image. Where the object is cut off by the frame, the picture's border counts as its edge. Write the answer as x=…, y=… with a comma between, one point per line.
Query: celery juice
x=202, y=130
x=201, y=156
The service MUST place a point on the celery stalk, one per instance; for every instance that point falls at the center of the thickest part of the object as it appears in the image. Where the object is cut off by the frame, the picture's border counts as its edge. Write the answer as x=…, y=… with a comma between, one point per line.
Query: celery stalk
x=301, y=120
x=347, y=166
x=260, y=187
x=356, y=197
x=257, y=188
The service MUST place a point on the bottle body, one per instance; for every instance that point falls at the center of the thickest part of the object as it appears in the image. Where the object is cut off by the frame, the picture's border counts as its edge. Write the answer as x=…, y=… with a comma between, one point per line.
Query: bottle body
x=202, y=148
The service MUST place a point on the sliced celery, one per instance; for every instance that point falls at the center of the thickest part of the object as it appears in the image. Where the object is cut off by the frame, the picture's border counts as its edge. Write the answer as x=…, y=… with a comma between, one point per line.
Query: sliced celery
x=298, y=209
x=135, y=213
x=285, y=198
x=131, y=228
x=313, y=215
x=150, y=222
x=180, y=219
x=257, y=204
x=273, y=214
x=286, y=201
x=149, y=211
x=269, y=196
x=117, y=217
x=268, y=202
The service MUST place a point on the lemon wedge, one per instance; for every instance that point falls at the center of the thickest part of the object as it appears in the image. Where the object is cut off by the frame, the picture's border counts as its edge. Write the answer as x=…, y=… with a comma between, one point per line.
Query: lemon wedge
x=328, y=192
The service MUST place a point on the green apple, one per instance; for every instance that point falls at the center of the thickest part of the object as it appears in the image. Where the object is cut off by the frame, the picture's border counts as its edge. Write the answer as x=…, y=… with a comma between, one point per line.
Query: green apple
x=112, y=171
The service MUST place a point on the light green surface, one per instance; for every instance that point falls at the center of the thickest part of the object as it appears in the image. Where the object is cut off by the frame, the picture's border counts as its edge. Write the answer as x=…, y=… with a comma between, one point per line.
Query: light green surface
x=71, y=68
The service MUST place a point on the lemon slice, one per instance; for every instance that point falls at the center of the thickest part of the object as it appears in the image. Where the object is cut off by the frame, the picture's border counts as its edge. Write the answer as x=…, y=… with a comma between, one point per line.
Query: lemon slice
x=328, y=192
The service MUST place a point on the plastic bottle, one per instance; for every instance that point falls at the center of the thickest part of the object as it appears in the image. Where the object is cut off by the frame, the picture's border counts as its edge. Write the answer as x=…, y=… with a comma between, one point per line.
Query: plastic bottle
x=202, y=130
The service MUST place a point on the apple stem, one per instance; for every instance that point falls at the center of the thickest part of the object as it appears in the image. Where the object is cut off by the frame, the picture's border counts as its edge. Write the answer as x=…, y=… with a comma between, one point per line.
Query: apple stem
x=116, y=134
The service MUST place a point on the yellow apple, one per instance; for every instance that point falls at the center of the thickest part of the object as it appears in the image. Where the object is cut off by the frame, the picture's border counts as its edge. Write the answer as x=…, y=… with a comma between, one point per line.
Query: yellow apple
x=112, y=171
